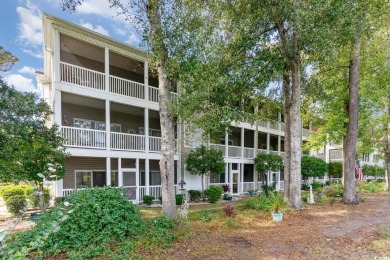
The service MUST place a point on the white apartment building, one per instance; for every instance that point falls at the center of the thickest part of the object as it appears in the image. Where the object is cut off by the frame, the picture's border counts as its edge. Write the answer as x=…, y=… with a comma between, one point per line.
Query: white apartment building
x=105, y=101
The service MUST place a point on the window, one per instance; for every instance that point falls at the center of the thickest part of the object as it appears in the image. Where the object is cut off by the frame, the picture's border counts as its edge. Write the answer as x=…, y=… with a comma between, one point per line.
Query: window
x=97, y=125
x=366, y=157
x=152, y=132
x=222, y=141
x=91, y=179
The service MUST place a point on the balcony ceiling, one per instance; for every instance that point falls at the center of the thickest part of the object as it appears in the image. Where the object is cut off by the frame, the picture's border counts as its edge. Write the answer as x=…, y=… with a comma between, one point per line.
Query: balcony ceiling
x=100, y=104
x=81, y=48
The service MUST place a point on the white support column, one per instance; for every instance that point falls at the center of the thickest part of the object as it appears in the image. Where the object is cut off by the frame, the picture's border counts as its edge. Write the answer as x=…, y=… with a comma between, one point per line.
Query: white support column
x=277, y=186
x=279, y=143
x=280, y=121
x=147, y=181
x=268, y=141
x=56, y=58
x=59, y=188
x=242, y=141
x=226, y=173
x=57, y=109
x=137, y=179
x=108, y=124
x=146, y=80
x=107, y=69
x=226, y=144
x=241, y=170
x=230, y=178
x=120, y=173
x=146, y=129
x=108, y=171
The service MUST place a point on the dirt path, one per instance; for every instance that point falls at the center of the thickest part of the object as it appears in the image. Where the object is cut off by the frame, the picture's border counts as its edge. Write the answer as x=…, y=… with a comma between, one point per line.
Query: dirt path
x=324, y=231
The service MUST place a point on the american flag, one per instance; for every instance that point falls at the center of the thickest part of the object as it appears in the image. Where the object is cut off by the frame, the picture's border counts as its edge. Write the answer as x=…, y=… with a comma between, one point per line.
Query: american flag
x=359, y=171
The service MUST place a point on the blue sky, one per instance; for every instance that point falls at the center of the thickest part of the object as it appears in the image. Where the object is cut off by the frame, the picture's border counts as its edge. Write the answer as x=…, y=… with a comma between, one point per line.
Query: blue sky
x=21, y=32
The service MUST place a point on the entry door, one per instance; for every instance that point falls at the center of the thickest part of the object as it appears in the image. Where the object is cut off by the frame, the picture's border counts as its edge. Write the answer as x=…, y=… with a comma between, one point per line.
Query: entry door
x=236, y=179
x=130, y=184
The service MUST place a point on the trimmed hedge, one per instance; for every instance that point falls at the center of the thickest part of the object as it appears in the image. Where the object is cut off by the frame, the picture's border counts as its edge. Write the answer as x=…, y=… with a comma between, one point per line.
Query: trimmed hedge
x=195, y=195
x=148, y=200
x=213, y=193
x=16, y=204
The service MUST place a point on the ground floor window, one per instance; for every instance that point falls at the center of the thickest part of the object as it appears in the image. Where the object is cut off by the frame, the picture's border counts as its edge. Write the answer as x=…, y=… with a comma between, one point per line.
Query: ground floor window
x=95, y=179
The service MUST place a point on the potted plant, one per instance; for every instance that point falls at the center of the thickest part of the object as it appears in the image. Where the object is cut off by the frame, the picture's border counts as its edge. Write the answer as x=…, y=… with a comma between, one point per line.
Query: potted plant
x=226, y=189
x=276, y=205
x=252, y=192
x=229, y=197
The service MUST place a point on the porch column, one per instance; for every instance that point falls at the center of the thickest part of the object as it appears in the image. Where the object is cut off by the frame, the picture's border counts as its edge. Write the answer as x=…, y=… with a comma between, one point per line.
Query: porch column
x=242, y=141
x=56, y=57
x=146, y=129
x=241, y=169
x=256, y=147
x=120, y=173
x=137, y=179
x=107, y=69
x=268, y=141
x=226, y=173
x=280, y=121
x=146, y=80
x=277, y=186
x=279, y=143
x=226, y=144
x=108, y=125
x=147, y=177
x=108, y=171
x=59, y=188
x=57, y=108
x=230, y=178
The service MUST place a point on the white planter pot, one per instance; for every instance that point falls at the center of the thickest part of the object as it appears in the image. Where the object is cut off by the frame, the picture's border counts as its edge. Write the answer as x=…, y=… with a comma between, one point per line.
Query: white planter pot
x=277, y=217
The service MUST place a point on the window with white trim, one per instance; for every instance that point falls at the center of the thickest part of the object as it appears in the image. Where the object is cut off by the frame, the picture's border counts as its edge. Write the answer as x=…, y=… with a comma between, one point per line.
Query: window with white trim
x=96, y=125
x=95, y=179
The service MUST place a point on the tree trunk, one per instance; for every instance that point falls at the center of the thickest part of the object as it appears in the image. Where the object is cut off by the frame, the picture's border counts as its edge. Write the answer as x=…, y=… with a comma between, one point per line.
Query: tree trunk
x=349, y=143
x=166, y=118
x=386, y=143
x=287, y=132
x=296, y=136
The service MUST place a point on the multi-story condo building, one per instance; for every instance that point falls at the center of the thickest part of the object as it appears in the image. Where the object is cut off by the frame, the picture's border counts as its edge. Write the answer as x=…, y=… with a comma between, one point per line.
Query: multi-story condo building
x=105, y=101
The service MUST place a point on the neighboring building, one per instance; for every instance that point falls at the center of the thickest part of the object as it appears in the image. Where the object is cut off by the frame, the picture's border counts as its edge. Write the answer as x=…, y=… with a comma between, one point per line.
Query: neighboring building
x=106, y=103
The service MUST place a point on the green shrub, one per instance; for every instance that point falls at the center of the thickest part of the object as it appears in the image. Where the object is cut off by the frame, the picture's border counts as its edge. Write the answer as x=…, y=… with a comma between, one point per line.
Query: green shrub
x=304, y=187
x=195, y=195
x=269, y=188
x=13, y=191
x=213, y=193
x=34, y=199
x=58, y=200
x=372, y=186
x=335, y=169
x=273, y=203
x=179, y=199
x=316, y=185
x=103, y=224
x=148, y=200
x=333, y=190
x=257, y=203
x=16, y=204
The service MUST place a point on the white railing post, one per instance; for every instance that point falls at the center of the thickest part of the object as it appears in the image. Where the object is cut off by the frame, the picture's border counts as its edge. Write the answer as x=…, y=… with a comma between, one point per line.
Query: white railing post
x=137, y=179
x=106, y=69
x=59, y=188
x=146, y=83
x=108, y=125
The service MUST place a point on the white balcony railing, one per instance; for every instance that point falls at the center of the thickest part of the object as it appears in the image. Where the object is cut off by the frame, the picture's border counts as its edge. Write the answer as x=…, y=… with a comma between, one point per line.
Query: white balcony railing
x=154, y=144
x=81, y=76
x=127, y=87
x=153, y=94
x=122, y=141
x=261, y=151
x=234, y=151
x=248, y=186
x=249, y=152
x=219, y=147
x=81, y=137
x=274, y=125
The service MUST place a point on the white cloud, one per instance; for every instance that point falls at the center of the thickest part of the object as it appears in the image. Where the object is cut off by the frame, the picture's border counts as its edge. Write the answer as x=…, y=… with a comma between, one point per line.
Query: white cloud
x=120, y=31
x=133, y=40
x=30, y=26
x=35, y=53
x=98, y=28
x=27, y=70
x=21, y=83
x=99, y=7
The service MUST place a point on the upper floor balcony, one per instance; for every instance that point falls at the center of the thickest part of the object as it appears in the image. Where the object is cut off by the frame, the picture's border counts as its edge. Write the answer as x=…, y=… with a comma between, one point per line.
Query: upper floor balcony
x=84, y=123
x=92, y=67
